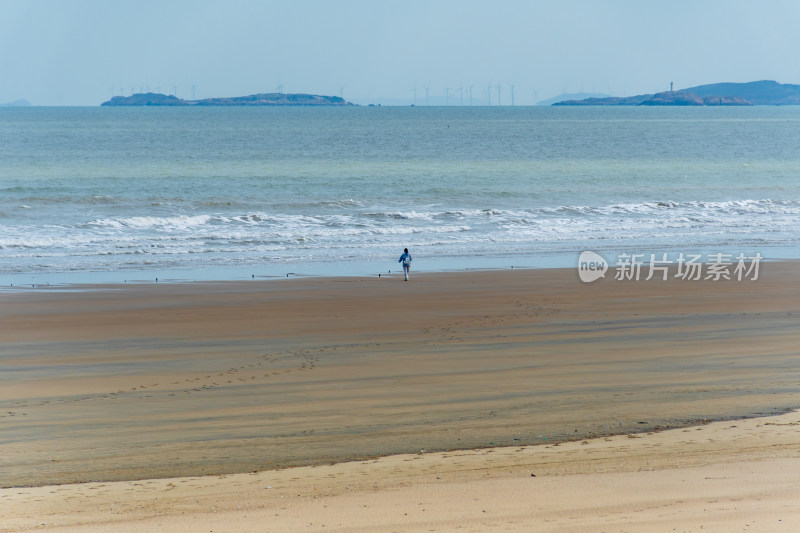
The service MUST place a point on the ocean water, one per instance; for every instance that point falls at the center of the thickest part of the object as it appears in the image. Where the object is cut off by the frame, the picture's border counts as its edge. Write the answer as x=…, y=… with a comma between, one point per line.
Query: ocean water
x=112, y=194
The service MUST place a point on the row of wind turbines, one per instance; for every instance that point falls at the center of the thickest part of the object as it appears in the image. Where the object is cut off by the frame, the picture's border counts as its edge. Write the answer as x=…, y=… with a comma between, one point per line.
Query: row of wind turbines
x=486, y=91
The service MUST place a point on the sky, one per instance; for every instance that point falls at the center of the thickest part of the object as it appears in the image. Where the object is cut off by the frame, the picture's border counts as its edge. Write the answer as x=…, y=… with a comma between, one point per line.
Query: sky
x=81, y=52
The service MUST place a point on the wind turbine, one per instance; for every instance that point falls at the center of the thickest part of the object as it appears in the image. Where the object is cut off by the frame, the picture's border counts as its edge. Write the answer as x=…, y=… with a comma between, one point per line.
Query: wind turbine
x=279, y=88
x=470, y=94
x=446, y=95
x=174, y=90
x=512, y=95
x=461, y=94
x=499, y=98
x=415, y=95
x=427, y=88
x=489, y=93
x=193, y=88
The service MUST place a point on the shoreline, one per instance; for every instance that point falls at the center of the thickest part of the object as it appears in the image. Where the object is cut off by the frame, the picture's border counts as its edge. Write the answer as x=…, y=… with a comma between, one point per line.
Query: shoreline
x=213, y=274
x=356, y=269
x=156, y=381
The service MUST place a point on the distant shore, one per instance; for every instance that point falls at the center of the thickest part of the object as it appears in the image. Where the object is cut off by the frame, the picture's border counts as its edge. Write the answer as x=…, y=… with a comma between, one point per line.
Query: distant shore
x=267, y=99
x=765, y=92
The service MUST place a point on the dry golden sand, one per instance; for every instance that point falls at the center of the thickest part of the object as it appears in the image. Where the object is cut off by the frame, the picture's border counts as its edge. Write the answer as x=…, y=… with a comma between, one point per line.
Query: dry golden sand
x=139, y=382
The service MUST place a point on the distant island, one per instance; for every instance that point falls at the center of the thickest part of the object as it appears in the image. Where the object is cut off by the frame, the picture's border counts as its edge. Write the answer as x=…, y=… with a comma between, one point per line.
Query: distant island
x=716, y=94
x=571, y=96
x=268, y=99
x=17, y=103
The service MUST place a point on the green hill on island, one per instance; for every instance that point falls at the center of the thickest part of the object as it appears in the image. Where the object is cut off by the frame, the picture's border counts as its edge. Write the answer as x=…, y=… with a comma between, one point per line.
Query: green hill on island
x=268, y=99
x=724, y=94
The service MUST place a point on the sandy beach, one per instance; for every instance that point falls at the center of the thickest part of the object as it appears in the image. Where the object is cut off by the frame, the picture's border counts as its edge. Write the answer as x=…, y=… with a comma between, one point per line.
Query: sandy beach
x=166, y=398
x=723, y=477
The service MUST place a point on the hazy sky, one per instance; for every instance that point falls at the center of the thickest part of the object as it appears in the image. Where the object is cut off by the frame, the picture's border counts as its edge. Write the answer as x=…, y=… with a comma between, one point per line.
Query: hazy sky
x=79, y=52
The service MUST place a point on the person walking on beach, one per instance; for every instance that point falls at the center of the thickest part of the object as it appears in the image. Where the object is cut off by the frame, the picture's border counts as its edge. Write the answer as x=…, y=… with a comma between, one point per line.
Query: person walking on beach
x=406, y=260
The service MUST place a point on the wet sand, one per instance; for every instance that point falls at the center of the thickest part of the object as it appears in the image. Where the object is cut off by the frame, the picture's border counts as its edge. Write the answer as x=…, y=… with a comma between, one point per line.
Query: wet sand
x=135, y=382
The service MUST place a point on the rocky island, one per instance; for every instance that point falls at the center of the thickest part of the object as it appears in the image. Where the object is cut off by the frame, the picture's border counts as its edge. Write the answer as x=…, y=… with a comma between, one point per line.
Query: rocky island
x=717, y=94
x=268, y=99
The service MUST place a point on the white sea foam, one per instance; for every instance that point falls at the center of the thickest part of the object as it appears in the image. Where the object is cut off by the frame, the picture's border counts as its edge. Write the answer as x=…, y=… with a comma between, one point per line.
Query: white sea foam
x=480, y=230
x=180, y=222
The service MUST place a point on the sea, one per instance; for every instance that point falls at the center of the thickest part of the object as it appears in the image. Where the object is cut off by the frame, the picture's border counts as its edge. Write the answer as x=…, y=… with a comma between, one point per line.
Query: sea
x=105, y=195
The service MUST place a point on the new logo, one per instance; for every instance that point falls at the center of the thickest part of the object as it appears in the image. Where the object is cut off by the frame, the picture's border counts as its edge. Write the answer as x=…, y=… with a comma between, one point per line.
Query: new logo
x=591, y=267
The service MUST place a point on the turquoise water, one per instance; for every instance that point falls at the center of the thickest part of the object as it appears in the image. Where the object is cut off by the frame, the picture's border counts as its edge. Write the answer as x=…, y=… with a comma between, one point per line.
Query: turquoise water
x=105, y=194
